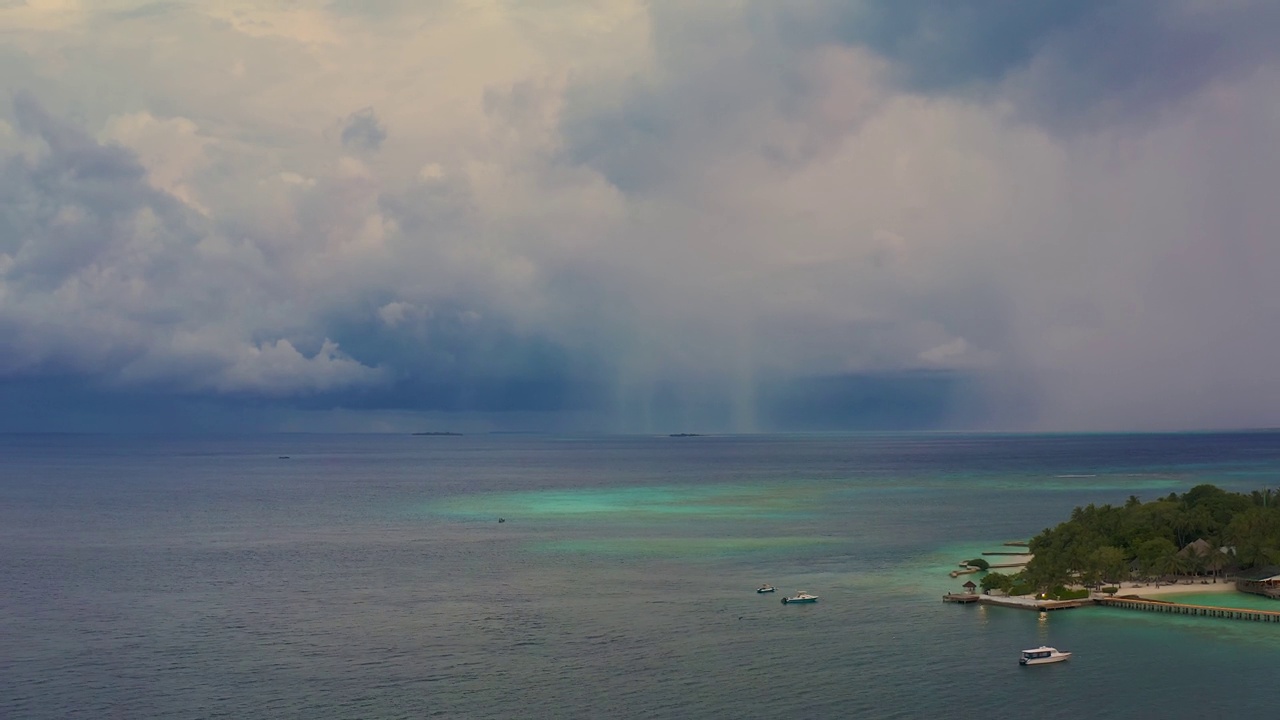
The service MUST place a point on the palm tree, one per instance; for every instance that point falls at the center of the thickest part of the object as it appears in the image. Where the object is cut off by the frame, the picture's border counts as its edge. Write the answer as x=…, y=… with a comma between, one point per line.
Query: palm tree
x=1248, y=532
x=1197, y=562
x=1168, y=564
x=1156, y=556
x=1184, y=564
x=1111, y=563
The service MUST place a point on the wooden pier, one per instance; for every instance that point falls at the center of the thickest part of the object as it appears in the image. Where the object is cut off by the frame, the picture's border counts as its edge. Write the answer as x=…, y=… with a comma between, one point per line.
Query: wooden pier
x=1129, y=602
x=1019, y=603
x=1199, y=610
x=1037, y=605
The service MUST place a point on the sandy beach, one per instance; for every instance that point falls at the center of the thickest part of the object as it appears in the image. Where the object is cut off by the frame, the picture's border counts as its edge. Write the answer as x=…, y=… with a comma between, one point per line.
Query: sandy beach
x=1151, y=590
x=1146, y=591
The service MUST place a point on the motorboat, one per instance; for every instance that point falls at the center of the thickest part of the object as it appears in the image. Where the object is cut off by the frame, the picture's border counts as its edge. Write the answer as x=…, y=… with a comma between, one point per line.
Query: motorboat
x=1042, y=655
x=766, y=588
x=800, y=597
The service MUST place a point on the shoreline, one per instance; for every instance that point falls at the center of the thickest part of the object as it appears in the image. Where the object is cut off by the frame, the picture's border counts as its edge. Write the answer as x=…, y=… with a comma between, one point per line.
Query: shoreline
x=1152, y=592
x=1130, y=589
x=1163, y=590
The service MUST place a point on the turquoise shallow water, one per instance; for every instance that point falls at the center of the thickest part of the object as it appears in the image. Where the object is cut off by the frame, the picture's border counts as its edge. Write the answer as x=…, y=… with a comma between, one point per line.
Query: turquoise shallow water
x=368, y=576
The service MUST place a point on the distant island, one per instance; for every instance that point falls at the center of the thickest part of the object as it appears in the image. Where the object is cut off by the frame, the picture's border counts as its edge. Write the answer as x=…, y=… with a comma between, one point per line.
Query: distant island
x=684, y=435
x=439, y=433
x=1204, y=532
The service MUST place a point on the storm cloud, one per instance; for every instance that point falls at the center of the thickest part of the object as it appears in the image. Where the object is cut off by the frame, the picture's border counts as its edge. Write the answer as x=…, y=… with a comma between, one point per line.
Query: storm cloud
x=1062, y=63
x=362, y=131
x=627, y=216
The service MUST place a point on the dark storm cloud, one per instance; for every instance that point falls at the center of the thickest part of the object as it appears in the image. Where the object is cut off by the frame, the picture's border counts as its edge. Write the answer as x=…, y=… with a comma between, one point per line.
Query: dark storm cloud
x=363, y=131
x=455, y=360
x=104, y=276
x=73, y=403
x=625, y=143
x=658, y=217
x=870, y=401
x=1064, y=65
x=555, y=392
x=936, y=44
x=719, y=77
x=73, y=204
x=74, y=207
x=1068, y=62
x=944, y=45
x=885, y=402
x=73, y=153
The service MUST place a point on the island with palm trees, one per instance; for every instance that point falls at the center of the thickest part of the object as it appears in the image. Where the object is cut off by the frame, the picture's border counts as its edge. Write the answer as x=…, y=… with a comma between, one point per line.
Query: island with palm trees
x=1202, y=537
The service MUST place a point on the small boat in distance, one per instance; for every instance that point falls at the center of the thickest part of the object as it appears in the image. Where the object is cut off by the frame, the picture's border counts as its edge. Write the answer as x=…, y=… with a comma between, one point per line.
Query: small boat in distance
x=1042, y=655
x=766, y=588
x=800, y=597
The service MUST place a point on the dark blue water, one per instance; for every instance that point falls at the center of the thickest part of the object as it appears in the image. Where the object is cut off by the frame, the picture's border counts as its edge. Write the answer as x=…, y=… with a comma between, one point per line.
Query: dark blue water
x=367, y=576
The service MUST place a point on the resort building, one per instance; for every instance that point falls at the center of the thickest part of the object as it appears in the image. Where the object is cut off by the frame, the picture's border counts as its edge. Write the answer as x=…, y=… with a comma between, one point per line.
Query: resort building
x=1264, y=581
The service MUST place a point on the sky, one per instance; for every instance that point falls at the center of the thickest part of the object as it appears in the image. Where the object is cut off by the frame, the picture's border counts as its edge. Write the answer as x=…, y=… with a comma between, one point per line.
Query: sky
x=624, y=216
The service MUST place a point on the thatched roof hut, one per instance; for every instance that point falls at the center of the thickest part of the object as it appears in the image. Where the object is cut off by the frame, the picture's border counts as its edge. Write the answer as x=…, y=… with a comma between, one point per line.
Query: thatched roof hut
x=1198, y=548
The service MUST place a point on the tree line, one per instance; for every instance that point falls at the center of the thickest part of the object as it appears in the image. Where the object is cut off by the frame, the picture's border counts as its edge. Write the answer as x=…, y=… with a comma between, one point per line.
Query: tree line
x=1107, y=544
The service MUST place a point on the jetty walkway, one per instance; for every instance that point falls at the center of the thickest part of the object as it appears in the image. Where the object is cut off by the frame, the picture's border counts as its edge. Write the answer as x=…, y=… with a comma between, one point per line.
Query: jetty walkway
x=1024, y=603
x=1201, y=610
x=1123, y=603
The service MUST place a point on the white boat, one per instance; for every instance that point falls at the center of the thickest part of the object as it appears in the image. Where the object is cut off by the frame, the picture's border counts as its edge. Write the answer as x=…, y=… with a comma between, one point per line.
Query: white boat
x=766, y=588
x=1042, y=655
x=800, y=597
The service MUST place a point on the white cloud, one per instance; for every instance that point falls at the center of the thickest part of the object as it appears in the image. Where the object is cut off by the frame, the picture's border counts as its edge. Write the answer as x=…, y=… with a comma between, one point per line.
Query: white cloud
x=955, y=353
x=394, y=313
x=172, y=150
x=279, y=369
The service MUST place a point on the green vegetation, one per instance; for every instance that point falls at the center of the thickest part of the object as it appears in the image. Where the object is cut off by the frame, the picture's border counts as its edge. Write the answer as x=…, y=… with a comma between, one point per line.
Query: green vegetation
x=1205, y=531
x=1020, y=586
x=978, y=563
x=996, y=581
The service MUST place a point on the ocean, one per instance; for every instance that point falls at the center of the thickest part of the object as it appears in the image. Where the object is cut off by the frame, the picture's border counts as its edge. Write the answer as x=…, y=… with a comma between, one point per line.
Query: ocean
x=370, y=576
